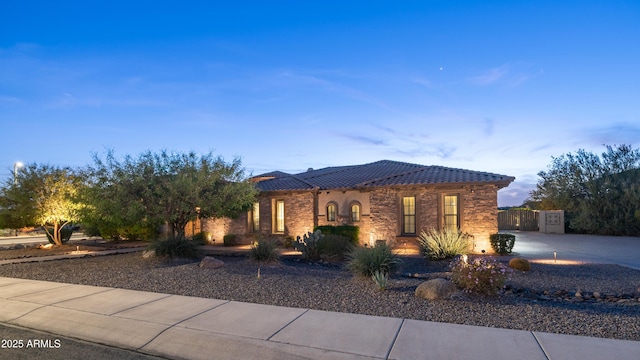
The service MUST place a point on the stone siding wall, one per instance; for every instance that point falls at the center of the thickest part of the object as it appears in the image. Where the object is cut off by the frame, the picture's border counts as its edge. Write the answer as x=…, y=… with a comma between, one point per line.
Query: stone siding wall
x=299, y=213
x=480, y=216
x=381, y=217
x=478, y=213
x=384, y=214
x=224, y=226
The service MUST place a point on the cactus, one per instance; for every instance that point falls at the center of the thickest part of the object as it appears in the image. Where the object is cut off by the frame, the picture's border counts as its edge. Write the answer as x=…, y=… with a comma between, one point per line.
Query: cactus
x=308, y=244
x=380, y=278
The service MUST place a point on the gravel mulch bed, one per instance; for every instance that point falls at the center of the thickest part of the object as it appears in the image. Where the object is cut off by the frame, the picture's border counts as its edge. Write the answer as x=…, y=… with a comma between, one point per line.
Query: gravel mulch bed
x=540, y=300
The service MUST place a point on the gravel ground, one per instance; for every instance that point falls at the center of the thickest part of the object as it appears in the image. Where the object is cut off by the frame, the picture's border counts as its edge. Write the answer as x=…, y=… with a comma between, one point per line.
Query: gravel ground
x=331, y=287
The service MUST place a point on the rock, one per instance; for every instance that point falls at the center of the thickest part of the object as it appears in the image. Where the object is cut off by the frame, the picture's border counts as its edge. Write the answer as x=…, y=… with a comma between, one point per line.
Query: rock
x=19, y=246
x=148, y=254
x=596, y=294
x=209, y=262
x=435, y=289
x=578, y=294
x=46, y=246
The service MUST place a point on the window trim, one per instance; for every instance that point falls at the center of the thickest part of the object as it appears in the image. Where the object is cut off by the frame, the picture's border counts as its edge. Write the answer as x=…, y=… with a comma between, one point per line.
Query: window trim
x=279, y=220
x=255, y=217
x=458, y=208
x=404, y=216
x=335, y=212
x=351, y=212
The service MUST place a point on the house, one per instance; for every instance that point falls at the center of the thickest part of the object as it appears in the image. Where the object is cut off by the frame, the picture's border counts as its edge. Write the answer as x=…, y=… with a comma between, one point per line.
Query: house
x=387, y=200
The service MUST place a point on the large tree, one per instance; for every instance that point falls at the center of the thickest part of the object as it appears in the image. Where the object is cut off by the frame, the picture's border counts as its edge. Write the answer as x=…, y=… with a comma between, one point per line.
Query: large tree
x=167, y=187
x=601, y=194
x=41, y=195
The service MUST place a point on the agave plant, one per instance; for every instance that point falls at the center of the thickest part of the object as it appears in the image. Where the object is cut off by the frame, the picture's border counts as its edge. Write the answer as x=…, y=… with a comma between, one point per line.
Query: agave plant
x=437, y=245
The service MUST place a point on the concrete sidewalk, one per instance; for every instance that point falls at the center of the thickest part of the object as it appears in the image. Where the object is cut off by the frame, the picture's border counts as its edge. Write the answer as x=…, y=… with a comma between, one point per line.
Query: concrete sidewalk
x=183, y=327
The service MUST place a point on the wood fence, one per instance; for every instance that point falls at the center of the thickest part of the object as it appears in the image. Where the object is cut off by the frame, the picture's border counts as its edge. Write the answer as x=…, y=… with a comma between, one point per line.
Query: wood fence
x=525, y=220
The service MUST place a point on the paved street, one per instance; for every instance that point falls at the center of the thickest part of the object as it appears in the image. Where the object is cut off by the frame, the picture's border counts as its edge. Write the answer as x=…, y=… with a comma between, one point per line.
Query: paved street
x=621, y=250
x=32, y=344
x=39, y=239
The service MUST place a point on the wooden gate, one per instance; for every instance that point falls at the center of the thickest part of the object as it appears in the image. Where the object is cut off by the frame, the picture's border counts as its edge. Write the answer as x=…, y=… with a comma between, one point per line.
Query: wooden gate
x=525, y=220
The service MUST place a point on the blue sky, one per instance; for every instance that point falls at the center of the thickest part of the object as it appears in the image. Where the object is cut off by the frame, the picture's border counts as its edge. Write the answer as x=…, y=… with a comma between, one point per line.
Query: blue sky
x=497, y=86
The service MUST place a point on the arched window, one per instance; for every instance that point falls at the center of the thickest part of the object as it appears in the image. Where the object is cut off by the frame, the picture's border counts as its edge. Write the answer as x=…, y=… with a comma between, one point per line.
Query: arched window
x=355, y=212
x=332, y=209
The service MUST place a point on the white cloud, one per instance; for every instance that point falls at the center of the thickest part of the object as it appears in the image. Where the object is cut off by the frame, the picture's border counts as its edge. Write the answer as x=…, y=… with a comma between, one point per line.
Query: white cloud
x=490, y=76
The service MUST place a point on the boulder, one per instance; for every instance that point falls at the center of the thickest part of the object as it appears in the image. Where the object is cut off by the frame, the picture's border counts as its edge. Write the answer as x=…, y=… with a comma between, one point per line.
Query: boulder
x=209, y=262
x=435, y=289
x=521, y=264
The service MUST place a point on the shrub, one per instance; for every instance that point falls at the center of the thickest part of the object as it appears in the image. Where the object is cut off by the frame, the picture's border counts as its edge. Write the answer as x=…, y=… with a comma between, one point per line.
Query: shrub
x=288, y=242
x=140, y=232
x=482, y=275
x=334, y=245
x=229, y=240
x=133, y=232
x=350, y=231
x=202, y=236
x=502, y=243
x=443, y=244
x=91, y=230
x=380, y=278
x=365, y=261
x=308, y=244
x=175, y=247
x=264, y=250
x=520, y=264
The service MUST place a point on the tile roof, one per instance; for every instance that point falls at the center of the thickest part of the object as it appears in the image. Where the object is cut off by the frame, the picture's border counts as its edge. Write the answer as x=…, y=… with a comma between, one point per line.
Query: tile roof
x=376, y=174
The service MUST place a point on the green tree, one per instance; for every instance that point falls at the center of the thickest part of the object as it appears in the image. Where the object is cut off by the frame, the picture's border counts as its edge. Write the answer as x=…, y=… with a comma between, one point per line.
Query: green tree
x=601, y=194
x=167, y=187
x=42, y=195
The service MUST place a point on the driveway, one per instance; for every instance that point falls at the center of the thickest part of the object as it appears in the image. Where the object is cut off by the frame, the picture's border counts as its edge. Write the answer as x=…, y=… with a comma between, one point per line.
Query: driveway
x=621, y=250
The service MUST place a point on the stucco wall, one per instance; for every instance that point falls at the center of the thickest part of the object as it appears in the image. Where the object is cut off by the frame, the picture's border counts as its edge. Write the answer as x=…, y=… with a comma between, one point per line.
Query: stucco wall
x=344, y=200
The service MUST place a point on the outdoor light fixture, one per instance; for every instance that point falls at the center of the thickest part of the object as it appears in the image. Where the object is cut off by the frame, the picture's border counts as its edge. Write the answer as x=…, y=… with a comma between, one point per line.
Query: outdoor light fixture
x=16, y=165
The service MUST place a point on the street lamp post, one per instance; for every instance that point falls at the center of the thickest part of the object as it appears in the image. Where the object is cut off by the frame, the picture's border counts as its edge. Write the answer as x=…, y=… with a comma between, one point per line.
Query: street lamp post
x=16, y=165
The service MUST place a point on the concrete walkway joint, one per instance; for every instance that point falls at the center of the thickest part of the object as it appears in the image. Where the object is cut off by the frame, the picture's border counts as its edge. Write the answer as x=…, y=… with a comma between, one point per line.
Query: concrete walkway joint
x=177, y=326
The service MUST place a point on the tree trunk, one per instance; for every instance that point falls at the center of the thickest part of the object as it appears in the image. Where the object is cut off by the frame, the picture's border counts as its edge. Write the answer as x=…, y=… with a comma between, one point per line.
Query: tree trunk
x=55, y=234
